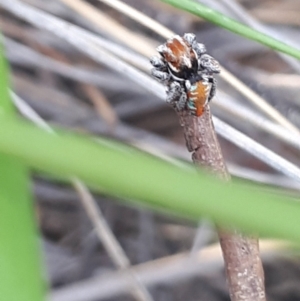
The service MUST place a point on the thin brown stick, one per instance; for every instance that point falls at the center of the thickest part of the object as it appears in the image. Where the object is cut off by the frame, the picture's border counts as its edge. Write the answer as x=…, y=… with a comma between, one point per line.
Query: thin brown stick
x=243, y=265
x=110, y=242
x=102, y=105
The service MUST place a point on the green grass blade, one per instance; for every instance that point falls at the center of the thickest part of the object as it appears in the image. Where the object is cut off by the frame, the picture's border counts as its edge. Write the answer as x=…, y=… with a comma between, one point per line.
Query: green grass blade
x=20, y=272
x=137, y=176
x=221, y=20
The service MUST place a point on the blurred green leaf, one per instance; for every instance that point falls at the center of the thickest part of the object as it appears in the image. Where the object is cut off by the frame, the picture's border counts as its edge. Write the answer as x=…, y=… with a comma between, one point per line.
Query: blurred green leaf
x=221, y=20
x=131, y=174
x=20, y=272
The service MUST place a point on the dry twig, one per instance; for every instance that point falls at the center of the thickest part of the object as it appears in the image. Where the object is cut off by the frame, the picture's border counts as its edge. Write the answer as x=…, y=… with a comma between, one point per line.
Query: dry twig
x=241, y=254
x=101, y=104
x=182, y=69
x=111, y=244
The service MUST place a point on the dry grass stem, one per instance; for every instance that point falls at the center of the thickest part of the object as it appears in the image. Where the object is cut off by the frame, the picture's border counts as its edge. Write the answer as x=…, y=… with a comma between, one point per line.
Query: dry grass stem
x=139, y=17
x=101, y=104
x=110, y=26
x=257, y=150
x=279, y=80
x=269, y=179
x=285, y=17
x=258, y=101
x=25, y=56
x=245, y=114
x=111, y=244
x=168, y=270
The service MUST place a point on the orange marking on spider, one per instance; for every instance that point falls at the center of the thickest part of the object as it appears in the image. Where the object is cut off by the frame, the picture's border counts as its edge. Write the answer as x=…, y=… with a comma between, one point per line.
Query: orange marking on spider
x=180, y=57
x=197, y=95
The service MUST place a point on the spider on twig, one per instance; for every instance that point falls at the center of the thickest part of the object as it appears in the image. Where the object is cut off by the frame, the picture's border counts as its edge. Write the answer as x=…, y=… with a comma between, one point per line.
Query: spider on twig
x=187, y=71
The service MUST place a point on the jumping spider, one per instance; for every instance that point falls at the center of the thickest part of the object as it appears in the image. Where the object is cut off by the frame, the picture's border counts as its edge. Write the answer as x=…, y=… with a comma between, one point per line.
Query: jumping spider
x=187, y=71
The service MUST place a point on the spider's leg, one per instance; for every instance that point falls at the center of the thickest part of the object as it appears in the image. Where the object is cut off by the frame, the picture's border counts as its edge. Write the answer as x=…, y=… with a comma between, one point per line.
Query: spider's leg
x=209, y=64
x=161, y=49
x=181, y=104
x=174, y=93
x=158, y=63
x=176, y=96
x=213, y=88
x=161, y=76
x=190, y=38
x=199, y=48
